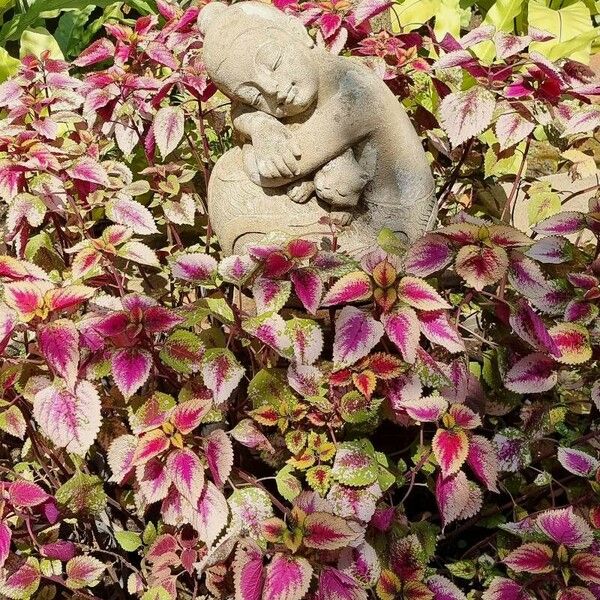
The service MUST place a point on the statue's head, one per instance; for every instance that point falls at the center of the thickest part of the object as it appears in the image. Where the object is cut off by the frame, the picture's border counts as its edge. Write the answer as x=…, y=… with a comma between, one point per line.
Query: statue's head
x=259, y=56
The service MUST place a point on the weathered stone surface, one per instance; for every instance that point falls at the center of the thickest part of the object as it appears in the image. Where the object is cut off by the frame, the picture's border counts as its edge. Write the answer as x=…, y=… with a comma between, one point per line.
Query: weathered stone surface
x=320, y=136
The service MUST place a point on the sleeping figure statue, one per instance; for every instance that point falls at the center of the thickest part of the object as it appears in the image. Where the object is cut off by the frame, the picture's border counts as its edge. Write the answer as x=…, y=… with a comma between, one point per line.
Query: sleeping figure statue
x=321, y=135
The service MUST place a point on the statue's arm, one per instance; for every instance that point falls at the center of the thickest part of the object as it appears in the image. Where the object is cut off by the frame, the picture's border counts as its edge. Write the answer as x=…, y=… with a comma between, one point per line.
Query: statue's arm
x=329, y=132
x=247, y=120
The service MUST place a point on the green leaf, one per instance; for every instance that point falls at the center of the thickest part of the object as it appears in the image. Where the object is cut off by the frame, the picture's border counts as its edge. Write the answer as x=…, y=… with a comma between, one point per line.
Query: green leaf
x=39, y=40
x=411, y=14
x=8, y=65
x=503, y=13
x=542, y=203
x=465, y=569
x=130, y=541
x=183, y=351
x=149, y=534
x=157, y=593
x=71, y=27
x=447, y=19
x=571, y=25
x=288, y=485
x=269, y=386
x=82, y=494
x=355, y=464
x=19, y=23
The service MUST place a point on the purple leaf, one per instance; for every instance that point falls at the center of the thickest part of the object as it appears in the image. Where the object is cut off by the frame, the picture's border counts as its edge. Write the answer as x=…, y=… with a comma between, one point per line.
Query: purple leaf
x=59, y=344
x=577, y=462
x=532, y=374
x=130, y=369
x=287, y=577
x=195, y=267
x=308, y=287
x=565, y=527
x=168, y=128
x=402, y=327
x=436, y=328
x=356, y=334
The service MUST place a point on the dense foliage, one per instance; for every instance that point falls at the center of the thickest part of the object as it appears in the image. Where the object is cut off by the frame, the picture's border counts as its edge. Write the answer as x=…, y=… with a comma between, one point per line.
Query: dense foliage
x=296, y=423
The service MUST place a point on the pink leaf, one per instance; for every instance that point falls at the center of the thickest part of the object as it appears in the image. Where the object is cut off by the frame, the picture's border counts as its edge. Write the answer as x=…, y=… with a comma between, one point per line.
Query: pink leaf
x=130, y=369
x=221, y=372
x=576, y=593
x=587, y=567
x=5, y=537
x=10, y=91
x=436, y=328
x=511, y=128
x=151, y=444
x=530, y=327
x=84, y=571
x=402, y=327
x=100, y=50
x=483, y=461
x=526, y=277
x=583, y=121
x=154, y=480
x=306, y=338
x=481, y=266
x=68, y=297
x=425, y=410
x=444, y=589
x=168, y=128
x=308, y=287
x=59, y=343
x=361, y=563
x=158, y=319
x=562, y=223
x=336, y=585
x=186, y=472
x=508, y=44
x=195, y=267
x=550, y=250
x=287, y=577
x=530, y=558
x=324, y=531
x=577, y=462
x=532, y=374
x=565, y=527
x=466, y=114
x=23, y=582
x=120, y=456
x=247, y=434
x=133, y=214
x=270, y=294
x=237, y=268
x=356, y=333
x=88, y=170
x=420, y=295
x=188, y=415
x=505, y=589
x=352, y=287
x=60, y=550
x=162, y=55
x=452, y=495
x=211, y=515
x=573, y=343
x=367, y=9
x=427, y=255
x=219, y=455
x=26, y=493
x=25, y=297
x=248, y=571
x=70, y=419
x=450, y=449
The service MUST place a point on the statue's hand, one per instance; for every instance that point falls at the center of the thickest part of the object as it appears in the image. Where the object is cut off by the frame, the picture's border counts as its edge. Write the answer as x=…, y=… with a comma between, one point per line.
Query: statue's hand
x=276, y=153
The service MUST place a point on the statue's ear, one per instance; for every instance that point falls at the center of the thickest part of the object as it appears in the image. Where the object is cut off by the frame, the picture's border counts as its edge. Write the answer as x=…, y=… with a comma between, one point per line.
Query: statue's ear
x=296, y=28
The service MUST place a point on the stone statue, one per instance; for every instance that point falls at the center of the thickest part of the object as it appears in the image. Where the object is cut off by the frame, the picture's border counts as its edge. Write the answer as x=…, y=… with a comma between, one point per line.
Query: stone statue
x=321, y=135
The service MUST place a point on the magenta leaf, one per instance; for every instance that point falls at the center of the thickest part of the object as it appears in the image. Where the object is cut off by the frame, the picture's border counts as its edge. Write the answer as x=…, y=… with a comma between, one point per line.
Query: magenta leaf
x=532, y=374
x=562, y=223
x=427, y=255
x=270, y=294
x=466, y=114
x=219, y=455
x=186, y=472
x=306, y=338
x=402, y=328
x=352, y=287
x=483, y=461
x=337, y=585
x=5, y=538
x=565, y=527
x=324, y=531
x=84, y=571
x=436, y=328
x=530, y=558
x=308, y=287
x=530, y=327
x=452, y=495
x=248, y=571
x=505, y=589
x=578, y=462
x=98, y=51
x=168, y=128
x=26, y=493
x=70, y=419
x=211, y=514
x=450, y=449
x=59, y=344
x=132, y=214
x=130, y=369
x=356, y=333
x=195, y=267
x=444, y=589
x=287, y=577
x=420, y=295
x=587, y=567
x=221, y=372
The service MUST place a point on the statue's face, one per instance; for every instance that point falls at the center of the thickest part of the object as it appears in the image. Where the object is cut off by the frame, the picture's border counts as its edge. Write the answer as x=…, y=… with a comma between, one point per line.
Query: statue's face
x=280, y=78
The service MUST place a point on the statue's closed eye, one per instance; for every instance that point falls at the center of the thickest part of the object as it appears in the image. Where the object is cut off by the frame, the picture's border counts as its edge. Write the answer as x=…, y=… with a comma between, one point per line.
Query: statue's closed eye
x=255, y=99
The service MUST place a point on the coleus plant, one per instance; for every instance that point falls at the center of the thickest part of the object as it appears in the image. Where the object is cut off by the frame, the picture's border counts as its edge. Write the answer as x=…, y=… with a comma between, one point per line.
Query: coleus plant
x=294, y=422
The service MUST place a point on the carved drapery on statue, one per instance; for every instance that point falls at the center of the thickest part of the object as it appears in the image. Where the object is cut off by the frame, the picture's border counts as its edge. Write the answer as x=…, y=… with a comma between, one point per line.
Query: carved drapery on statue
x=320, y=135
